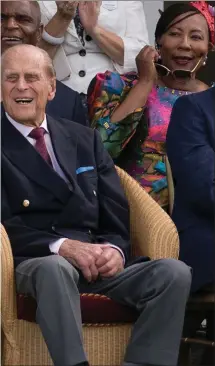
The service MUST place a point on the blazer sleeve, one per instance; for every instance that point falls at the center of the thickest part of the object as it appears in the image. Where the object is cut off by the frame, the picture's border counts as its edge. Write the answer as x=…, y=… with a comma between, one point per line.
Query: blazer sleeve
x=113, y=205
x=191, y=155
x=25, y=241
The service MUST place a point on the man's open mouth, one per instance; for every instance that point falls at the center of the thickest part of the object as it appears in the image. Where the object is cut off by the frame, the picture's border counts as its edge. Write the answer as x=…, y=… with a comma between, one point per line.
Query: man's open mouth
x=23, y=100
x=12, y=39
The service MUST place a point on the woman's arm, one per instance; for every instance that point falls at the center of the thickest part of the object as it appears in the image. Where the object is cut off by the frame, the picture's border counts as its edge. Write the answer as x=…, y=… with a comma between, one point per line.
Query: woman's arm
x=136, y=36
x=121, y=50
x=107, y=96
x=138, y=94
x=111, y=44
x=136, y=98
x=58, y=24
x=116, y=103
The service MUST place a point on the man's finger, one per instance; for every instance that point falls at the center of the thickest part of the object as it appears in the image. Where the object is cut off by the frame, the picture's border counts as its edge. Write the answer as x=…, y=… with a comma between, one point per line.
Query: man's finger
x=111, y=273
x=86, y=273
x=108, y=266
x=101, y=261
x=94, y=272
x=104, y=257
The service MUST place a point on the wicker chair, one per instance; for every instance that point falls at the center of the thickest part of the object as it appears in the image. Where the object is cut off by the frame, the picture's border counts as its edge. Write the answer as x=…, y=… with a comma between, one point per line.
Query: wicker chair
x=153, y=234
x=200, y=303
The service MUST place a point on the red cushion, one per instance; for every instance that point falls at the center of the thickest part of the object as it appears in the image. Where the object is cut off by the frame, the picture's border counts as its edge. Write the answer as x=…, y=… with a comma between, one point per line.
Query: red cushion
x=94, y=309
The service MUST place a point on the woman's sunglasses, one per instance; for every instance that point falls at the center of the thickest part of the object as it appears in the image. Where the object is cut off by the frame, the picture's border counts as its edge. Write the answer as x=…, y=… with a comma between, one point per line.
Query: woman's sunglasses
x=177, y=74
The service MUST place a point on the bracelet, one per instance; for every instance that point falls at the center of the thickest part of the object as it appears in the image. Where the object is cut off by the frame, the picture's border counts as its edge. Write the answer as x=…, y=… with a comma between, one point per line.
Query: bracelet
x=54, y=41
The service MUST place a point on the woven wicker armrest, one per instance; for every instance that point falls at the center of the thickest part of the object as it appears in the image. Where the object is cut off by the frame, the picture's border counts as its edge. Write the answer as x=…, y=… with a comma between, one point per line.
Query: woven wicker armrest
x=153, y=233
x=8, y=289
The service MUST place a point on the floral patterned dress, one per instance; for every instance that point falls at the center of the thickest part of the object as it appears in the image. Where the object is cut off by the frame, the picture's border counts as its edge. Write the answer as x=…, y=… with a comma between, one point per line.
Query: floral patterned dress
x=147, y=166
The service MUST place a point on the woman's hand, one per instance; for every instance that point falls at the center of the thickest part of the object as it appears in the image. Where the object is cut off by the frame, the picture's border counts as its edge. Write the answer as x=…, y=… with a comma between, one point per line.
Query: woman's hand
x=145, y=64
x=66, y=9
x=89, y=13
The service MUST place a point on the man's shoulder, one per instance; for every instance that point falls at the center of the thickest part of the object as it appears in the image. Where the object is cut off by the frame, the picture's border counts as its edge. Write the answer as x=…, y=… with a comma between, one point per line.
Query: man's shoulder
x=204, y=96
x=71, y=127
x=201, y=99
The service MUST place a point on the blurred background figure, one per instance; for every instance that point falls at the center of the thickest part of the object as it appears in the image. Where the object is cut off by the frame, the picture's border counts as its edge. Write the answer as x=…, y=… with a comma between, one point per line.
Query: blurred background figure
x=88, y=37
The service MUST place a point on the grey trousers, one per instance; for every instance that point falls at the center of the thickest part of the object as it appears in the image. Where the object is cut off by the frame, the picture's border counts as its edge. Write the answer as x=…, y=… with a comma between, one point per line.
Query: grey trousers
x=157, y=289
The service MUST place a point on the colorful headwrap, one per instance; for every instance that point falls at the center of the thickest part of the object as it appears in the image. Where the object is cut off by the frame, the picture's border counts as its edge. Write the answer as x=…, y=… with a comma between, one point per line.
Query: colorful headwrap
x=208, y=12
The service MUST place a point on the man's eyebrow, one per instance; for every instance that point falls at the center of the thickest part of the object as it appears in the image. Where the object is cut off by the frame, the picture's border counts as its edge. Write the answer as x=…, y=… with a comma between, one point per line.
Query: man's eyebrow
x=17, y=13
x=10, y=73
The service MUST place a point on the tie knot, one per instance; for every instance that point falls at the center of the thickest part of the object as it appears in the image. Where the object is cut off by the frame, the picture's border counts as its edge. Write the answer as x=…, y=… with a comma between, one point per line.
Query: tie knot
x=37, y=133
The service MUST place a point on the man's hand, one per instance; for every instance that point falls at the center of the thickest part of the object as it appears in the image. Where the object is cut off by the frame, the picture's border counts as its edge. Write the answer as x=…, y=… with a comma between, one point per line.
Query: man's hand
x=89, y=12
x=110, y=262
x=66, y=9
x=83, y=256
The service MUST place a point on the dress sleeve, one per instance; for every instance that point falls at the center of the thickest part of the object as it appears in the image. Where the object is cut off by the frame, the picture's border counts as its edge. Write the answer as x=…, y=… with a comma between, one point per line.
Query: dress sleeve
x=105, y=93
x=136, y=35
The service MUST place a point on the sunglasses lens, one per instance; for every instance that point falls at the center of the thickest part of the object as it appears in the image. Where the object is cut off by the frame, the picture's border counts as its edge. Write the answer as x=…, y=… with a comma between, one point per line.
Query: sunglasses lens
x=162, y=71
x=182, y=74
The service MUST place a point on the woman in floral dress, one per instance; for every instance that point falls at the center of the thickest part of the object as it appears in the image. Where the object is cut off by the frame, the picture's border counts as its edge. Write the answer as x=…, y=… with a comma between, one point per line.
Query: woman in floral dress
x=132, y=111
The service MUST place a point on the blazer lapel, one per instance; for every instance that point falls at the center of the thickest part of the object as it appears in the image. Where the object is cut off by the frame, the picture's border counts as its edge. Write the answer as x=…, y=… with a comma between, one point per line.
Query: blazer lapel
x=22, y=154
x=65, y=147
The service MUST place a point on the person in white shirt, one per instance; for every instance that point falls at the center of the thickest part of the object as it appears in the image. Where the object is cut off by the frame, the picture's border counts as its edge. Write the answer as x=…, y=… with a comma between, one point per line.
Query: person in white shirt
x=91, y=37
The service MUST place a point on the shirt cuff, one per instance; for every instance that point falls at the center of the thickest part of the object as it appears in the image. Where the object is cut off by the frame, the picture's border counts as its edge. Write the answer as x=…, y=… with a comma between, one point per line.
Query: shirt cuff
x=55, y=246
x=119, y=250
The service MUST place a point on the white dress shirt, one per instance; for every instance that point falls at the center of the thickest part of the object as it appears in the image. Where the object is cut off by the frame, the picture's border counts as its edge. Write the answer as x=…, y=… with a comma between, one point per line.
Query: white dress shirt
x=124, y=18
x=25, y=130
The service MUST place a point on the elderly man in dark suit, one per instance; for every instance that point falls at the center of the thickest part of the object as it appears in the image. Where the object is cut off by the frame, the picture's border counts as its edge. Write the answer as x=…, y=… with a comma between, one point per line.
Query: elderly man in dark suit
x=191, y=152
x=68, y=222
x=21, y=24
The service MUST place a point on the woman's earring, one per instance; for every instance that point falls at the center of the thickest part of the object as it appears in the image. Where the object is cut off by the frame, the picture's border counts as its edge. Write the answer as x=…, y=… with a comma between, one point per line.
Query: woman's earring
x=205, y=60
x=157, y=47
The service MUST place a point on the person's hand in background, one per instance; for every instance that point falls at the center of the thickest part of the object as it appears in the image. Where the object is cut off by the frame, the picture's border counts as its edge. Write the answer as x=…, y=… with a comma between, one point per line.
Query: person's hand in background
x=89, y=13
x=66, y=9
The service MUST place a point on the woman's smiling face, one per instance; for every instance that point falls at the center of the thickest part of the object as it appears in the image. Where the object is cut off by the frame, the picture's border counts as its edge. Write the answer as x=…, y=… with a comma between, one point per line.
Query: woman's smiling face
x=185, y=43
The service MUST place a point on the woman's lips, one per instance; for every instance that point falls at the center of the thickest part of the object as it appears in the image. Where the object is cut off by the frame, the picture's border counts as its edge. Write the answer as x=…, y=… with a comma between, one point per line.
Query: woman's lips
x=182, y=61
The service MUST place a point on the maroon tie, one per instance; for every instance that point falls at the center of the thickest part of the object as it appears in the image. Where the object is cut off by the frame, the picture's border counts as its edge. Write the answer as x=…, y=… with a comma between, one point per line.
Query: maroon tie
x=38, y=135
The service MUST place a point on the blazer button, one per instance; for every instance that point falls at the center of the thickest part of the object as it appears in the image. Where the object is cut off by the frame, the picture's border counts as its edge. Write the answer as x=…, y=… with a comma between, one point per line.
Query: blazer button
x=53, y=228
x=88, y=38
x=26, y=203
x=94, y=192
x=82, y=73
x=82, y=52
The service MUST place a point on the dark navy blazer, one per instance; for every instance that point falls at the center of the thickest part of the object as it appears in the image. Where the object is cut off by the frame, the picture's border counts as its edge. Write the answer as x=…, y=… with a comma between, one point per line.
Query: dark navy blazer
x=191, y=149
x=90, y=208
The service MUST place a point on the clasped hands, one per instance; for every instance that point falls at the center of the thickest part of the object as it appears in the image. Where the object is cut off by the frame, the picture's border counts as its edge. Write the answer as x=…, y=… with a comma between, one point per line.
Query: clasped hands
x=88, y=12
x=92, y=259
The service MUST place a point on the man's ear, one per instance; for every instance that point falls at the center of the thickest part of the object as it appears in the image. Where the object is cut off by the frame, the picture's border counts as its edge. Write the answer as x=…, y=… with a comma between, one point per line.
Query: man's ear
x=52, y=88
x=39, y=33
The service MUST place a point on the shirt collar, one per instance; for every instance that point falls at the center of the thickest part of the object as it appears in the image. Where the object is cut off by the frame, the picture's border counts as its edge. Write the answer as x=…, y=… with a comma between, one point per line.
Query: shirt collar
x=25, y=130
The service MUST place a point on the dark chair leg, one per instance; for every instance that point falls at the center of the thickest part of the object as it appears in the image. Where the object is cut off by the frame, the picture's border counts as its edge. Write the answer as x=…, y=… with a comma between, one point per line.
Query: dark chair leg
x=184, y=355
x=208, y=357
